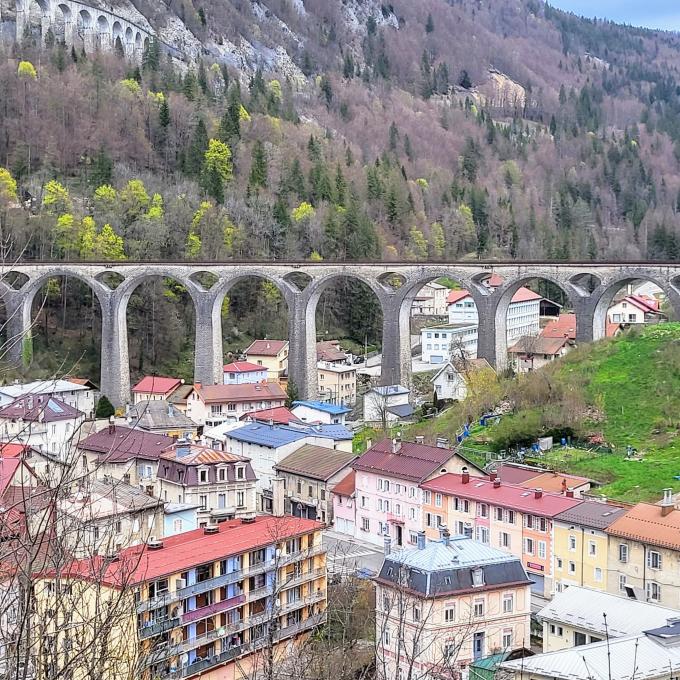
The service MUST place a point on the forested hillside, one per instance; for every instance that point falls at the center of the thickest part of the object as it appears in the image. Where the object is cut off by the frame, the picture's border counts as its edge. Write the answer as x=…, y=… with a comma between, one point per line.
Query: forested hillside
x=343, y=130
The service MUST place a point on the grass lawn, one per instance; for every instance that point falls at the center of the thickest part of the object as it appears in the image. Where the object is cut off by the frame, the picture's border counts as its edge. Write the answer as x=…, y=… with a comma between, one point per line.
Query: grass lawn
x=634, y=380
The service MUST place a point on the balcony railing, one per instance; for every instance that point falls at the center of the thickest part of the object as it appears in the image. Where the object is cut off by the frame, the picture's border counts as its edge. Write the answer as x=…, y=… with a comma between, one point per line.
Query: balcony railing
x=211, y=609
x=227, y=579
x=301, y=602
x=157, y=628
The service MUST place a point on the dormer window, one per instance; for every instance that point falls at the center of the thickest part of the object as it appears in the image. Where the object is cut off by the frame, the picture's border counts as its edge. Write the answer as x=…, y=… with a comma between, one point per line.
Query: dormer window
x=477, y=577
x=203, y=476
x=240, y=473
x=222, y=474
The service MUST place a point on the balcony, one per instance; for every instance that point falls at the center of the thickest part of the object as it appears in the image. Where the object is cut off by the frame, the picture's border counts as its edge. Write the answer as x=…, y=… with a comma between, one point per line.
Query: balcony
x=153, y=629
x=211, y=609
x=296, y=628
x=317, y=596
x=319, y=572
x=218, y=659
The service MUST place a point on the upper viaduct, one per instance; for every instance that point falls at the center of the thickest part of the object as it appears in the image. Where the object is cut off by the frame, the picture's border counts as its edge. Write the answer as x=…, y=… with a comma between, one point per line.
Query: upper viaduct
x=395, y=286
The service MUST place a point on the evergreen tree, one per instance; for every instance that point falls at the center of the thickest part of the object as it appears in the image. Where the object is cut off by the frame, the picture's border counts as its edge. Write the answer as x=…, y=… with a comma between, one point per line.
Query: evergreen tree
x=464, y=80
x=292, y=394
x=230, y=124
x=196, y=153
x=340, y=186
x=259, y=172
x=151, y=59
x=331, y=237
x=102, y=168
x=326, y=90
x=407, y=147
x=281, y=214
x=202, y=77
x=213, y=184
x=429, y=24
x=293, y=180
x=553, y=125
x=190, y=86
x=74, y=54
x=392, y=205
x=348, y=66
x=164, y=114
x=394, y=136
x=104, y=408
x=201, y=16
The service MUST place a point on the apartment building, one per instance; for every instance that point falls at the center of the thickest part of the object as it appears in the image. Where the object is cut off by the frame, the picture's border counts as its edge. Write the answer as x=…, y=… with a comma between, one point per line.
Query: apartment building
x=337, y=383
x=201, y=603
x=388, y=501
x=644, y=552
x=508, y=517
x=581, y=545
x=152, y=387
x=272, y=355
x=447, y=603
x=222, y=484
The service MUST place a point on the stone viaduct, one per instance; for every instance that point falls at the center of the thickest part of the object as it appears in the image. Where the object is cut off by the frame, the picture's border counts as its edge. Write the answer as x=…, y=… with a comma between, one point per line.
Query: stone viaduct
x=85, y=25
x=590, y=288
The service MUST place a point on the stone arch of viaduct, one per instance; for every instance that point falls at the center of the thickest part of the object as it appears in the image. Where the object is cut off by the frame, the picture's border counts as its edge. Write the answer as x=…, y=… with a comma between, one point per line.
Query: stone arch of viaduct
x=590, y=305
x=74, y=22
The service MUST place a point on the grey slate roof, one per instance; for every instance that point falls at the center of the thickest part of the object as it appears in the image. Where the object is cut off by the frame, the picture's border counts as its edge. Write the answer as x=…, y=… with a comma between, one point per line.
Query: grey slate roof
x=159, y=414
x=446, y=567
x=592, y=514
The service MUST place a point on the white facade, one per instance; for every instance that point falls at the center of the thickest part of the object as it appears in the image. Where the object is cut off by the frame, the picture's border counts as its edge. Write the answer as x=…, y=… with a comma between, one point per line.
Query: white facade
x=625, y=311
x=307, y=412
x=227, y=411
x=437, y=342
x=51, y=437
x=448, y=383
x=244, y=377
x=431, y=300
x=379, y=399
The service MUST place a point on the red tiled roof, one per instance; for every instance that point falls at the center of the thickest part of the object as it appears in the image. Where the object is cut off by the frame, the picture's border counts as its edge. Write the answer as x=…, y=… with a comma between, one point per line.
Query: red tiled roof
x=412, y=461
x=8, y=468
x=643, y=302
x=243, y=367
x=538, y=344
x=514, y=474
x=494, y=280
x=237, y=393
x=189, y=549
x=200, y=455
x=266, y=348
x=279, y=414
x=644, y=522
x=564, y=326
x=345, y=487
x=522, y=295
x=13, y=450
x=612, y=329
x=154, y=384
x=121, y=444
x=554, y=482
x=506, y=495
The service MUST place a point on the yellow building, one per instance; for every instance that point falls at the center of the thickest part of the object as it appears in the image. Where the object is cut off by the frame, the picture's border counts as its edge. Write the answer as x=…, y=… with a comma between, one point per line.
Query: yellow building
x=206, y=602
x=446, y=603
x=337, y=383
x=644, y=552
x=581, y=545
x=273, y=355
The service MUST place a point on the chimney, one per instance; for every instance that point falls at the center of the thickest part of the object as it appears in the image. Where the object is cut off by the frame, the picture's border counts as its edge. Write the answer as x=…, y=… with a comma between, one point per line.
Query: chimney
x=369, y=443
x=465, y=476
x=388, y=545
x=271, y=422
x=112, y=425
x=493, y=475
x=444, y=534
x=396, y=445
x=420, y=439
x=198, y=385
x=421, y=540
x=182, y=448
x=496, y=483
x=538, y=493
x=570, y=493
x=278, y=503
x=667, y=503
x=564, y=486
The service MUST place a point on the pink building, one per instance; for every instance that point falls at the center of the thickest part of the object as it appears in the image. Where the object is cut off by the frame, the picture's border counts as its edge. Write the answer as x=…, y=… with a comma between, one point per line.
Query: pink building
x=387, y=500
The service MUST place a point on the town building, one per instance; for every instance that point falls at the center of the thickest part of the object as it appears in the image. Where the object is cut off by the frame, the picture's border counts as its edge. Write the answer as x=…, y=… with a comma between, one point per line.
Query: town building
x=311, y=411
x=179, y=517
x=652, y=655
x=440, y=343
x=548, y=480
x=207, y=603
x=272, y=354
x=388, y=501
x=644, y=551
x=446, y=603
x=580, y=616
x=634, y=309
x=43, y=422
x=123, y=453
x=387, y=404
x=522, y=317
x=76, y=395
x=430, y=300
x=309, y=475
x=343, y=497
x=531, y=352
x=211, y=405
x=243, y=373
x=505, y=516
x=265, y=446
x=564, y=326
x=222, y=484
x=581, y=545
x=337, y=382
x=330, y=351
x=105, y=516
x=180, y=397
x=451, y=380
x=161, y=417
x=152, y=387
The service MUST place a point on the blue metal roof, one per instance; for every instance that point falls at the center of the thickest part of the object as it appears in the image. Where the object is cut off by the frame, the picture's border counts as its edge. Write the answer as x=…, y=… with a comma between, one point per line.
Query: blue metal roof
x=333, y=409
x=267, y=435
x=332, y=431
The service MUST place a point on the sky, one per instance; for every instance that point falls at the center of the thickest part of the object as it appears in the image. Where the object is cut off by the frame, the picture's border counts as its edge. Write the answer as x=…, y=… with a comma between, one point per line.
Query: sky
x=664, y=14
